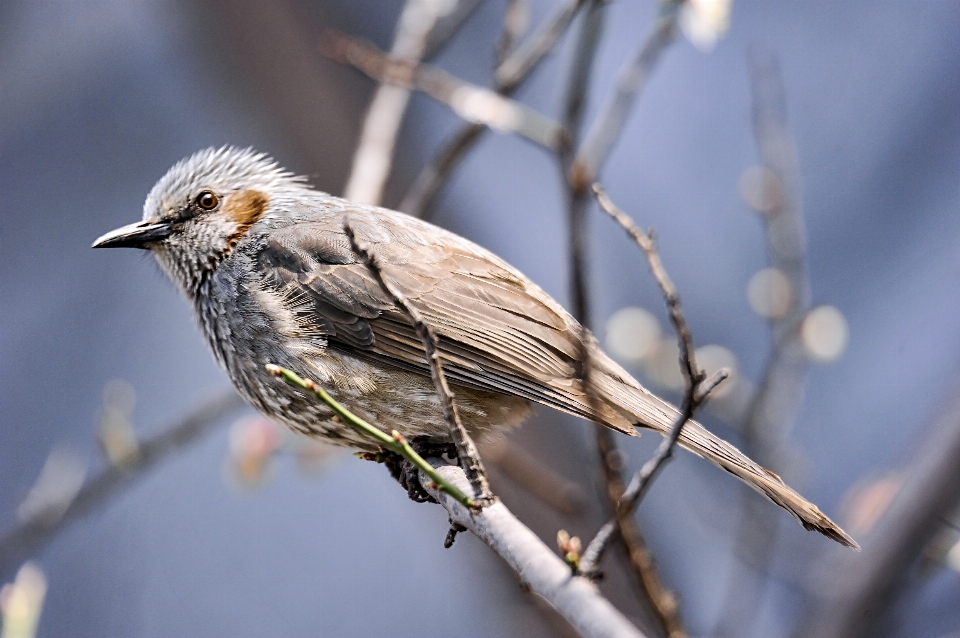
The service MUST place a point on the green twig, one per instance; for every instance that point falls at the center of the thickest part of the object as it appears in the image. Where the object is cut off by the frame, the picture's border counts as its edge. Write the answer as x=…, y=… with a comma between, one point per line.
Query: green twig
x=393, y=441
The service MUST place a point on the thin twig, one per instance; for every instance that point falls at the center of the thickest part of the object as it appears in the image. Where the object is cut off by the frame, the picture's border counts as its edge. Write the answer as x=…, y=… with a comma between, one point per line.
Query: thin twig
x=671, y=297
x=644, y=569
x=507, y=78
x=540, y=570
x=515, y=21
x=595, y=148
x=371, y=162
x=466, y=449
x=32, y=535
x=533, y=475
x=473, y=103
x=774, y=404
x=646, y=575
x=447, y=26
x=395, y=442
x=587, y=42
x=851, y=593
x=693, y=376
x=528, y=55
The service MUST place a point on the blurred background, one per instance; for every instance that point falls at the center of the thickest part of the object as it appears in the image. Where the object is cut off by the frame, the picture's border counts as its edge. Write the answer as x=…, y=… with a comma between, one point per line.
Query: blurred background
x=248, y=531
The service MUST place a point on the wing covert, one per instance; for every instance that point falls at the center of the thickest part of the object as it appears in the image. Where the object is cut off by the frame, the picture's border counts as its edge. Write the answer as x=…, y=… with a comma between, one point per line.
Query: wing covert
x=496, y=330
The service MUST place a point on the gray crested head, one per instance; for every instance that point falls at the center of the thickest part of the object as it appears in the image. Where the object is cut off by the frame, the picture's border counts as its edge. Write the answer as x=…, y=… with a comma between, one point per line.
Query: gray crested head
x=203, y=207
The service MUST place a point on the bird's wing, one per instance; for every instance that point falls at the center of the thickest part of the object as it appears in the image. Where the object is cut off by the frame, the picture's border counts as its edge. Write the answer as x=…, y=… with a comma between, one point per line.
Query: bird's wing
x=497, y=331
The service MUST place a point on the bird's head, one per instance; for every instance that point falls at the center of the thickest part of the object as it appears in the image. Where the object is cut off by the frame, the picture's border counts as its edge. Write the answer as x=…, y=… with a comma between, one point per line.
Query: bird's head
x=202, y=208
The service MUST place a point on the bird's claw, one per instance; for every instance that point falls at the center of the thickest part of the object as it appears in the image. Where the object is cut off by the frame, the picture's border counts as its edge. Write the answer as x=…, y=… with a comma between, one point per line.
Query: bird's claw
x=407, y=474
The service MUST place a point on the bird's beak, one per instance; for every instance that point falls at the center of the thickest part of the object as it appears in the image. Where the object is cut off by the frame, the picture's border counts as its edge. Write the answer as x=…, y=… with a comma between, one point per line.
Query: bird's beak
x=135, y=235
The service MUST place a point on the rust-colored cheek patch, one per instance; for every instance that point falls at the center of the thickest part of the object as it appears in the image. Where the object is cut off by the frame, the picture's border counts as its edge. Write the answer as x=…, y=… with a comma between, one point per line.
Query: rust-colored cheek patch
x=244, y=208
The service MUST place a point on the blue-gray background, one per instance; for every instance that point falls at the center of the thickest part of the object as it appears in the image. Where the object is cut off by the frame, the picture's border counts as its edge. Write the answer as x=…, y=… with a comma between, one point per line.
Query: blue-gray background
x=98, y=98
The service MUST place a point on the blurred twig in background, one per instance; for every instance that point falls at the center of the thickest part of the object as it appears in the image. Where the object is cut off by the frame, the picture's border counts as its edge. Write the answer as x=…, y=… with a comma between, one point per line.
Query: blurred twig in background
x=852, y=593
x=21, y=602
x=508, y=76
x=780, y=294
x=535, y=477
x=638, y=556
x=374, y=154
x=516, y=19
x=472, y=103
x=43, y=525
x=608, y=126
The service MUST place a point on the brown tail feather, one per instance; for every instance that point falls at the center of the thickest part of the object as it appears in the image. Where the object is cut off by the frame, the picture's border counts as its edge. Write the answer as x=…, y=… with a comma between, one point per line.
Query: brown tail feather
x=651, y=412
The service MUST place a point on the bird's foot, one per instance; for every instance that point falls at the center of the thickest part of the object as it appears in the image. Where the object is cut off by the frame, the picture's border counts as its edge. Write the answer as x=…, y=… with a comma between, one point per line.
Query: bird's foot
x=406, y=473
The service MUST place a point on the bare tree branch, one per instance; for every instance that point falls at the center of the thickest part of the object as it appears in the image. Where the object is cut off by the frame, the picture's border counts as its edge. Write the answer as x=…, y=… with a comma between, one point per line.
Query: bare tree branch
x=646, y=575
x=507, y=78
x=692, y=375
x=32, y=535
x=473, y=103
x=775, y=191
x=852, y=592
x=371, y=162
x=540, y=570
x=515, y=21
x=466, y=449
x=644, y=569
x=595, y=148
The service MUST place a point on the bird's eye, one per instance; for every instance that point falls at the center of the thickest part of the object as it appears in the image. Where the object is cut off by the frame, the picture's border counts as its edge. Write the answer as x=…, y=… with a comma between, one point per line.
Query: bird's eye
x=207, y=200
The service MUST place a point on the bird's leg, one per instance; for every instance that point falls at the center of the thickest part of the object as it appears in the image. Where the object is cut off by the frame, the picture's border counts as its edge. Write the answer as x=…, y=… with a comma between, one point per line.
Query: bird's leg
x=405, y=473
x=402, y=471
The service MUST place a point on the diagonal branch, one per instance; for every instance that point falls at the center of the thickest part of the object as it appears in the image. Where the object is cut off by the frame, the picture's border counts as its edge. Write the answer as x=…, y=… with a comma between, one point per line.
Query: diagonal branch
x=507, y=78
x=371, y=162
x=515, y=21
x=775, y=192
x=517, y=67
x=644, y=570
x=694, y=395
x=540, y=570
x=35, y=533
x=608, y=126
x=466, y=449
x=473, y=103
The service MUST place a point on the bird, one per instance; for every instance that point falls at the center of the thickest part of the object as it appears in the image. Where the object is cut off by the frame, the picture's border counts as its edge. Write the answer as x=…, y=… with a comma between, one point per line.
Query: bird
x=267, y=263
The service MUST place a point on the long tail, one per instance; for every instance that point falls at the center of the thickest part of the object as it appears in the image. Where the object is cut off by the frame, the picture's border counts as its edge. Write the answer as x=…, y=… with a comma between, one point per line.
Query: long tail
x=649, y=411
